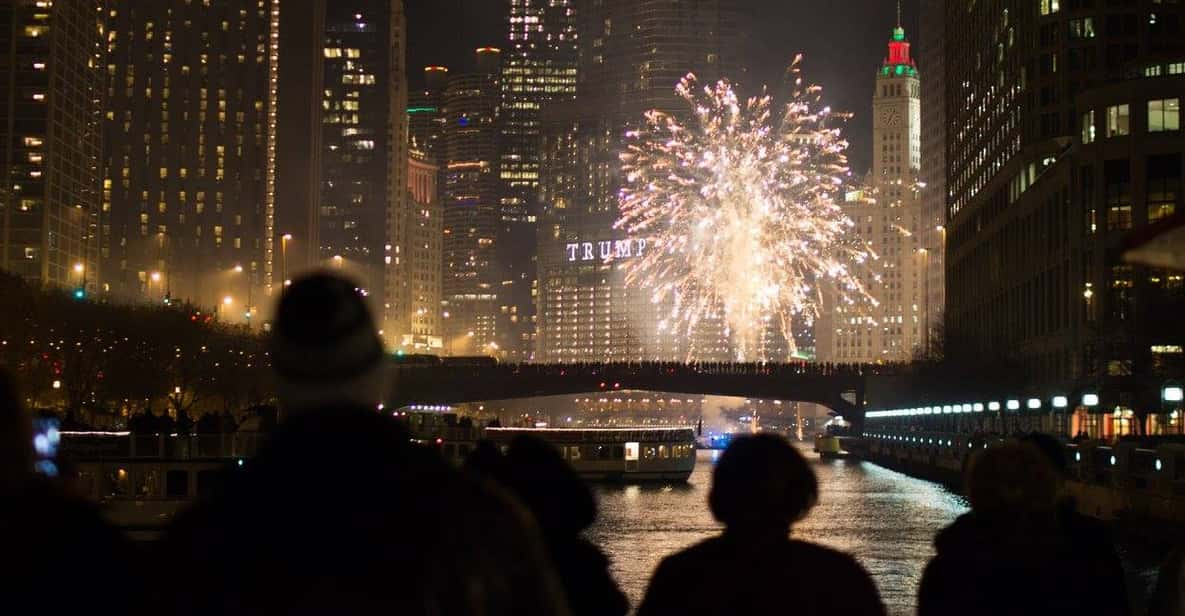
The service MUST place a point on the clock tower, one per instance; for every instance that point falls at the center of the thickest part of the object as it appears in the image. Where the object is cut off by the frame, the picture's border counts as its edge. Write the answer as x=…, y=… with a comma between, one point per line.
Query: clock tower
x=886, y=212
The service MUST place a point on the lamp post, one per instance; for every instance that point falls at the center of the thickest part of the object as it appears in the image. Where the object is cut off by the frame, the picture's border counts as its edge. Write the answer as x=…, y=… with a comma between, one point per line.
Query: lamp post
x=80, y=271
x=284, y=239
x=239, y=270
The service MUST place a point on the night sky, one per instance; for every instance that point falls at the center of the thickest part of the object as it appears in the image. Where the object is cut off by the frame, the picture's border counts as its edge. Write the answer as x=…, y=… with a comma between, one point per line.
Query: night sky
x=843, y=42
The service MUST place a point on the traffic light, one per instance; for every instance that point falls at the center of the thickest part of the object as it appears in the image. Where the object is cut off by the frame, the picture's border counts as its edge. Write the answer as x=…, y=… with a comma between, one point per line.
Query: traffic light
x=80, y=293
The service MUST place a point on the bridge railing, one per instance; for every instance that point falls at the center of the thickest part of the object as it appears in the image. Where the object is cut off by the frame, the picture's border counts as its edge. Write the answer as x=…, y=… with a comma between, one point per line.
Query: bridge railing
x=1157, y=470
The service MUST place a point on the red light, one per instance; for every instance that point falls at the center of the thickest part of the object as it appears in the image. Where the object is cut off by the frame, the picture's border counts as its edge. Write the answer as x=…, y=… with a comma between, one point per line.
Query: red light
x=439, y=441
x=616, y=385
x=602, y=385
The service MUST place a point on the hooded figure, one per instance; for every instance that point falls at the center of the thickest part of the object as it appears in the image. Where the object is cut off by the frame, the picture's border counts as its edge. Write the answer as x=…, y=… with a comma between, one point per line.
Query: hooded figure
x=44, y=530
x=761, y=486
x=1016, y=552
x=339, y=513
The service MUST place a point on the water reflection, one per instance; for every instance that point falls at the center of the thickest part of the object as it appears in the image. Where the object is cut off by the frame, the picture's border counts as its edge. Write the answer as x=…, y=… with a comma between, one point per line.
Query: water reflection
x=885, y=519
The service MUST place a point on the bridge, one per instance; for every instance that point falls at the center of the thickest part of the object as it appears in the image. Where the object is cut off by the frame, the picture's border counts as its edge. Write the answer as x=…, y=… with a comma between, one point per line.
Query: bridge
x=839, y=388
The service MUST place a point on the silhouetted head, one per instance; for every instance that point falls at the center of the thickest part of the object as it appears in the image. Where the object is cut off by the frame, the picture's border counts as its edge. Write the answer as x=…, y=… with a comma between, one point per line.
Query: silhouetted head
x=762, y=481
x=550, y=489
x=325, y=348
x=486, y=460
x=16, y=437
x=1053, y=450
x=1011, y=480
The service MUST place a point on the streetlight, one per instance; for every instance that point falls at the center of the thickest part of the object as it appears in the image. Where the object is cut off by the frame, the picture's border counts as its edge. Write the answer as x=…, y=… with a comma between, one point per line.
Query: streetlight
x=79, y=268
x=284, y=239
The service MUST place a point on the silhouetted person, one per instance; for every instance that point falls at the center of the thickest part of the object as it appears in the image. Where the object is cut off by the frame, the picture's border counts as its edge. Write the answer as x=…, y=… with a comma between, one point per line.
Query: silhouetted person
x=1091, y=539
x=1014, y=553
x=761, y=486
x=57, y=555
x=184, y=423
x=208, y=424
x=563, y=506
x=339, y=513
x=1168, y=597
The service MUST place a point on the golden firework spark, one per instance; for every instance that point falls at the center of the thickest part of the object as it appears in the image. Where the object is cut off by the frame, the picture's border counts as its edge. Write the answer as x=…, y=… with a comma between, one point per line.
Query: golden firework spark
x=741, y=213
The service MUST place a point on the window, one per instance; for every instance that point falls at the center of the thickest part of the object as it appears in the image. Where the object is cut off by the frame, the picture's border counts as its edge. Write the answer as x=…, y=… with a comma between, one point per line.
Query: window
x=1117, y=176
x=1082, y=28
x=1164, y=115
x=1088, y=127
x=1118, y=120
x=1049, y=7
x=1164, y=185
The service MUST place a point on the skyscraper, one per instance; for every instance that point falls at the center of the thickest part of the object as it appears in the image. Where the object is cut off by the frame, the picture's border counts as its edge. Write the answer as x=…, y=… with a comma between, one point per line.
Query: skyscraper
x=50, y=141
x=932, y=223
x=1063, y=140
x=189, y=152
x=365, y=219
x=417, y=327
x=472, y=319
x=631, y=55
x=887, y=219
x=300, y=85
x=538, y=69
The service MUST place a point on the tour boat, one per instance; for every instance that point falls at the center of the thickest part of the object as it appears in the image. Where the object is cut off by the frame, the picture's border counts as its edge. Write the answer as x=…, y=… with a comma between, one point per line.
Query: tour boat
x=616, y=454
x=596, y=454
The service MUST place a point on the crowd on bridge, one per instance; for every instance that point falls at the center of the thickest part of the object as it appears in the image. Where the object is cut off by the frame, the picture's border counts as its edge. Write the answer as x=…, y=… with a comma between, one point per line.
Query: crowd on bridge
x=694, y=368
x=372, y=523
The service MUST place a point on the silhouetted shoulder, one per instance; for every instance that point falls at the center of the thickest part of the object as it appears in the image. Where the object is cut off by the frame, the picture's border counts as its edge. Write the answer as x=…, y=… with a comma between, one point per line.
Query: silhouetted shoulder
x=756, y=577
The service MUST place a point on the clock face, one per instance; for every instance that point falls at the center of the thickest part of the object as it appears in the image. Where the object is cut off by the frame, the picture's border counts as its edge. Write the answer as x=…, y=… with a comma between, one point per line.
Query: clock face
x=891, y=117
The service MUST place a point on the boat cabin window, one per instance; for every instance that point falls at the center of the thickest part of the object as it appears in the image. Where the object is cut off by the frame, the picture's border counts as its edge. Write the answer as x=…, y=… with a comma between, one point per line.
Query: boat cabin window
x=603, y=452
x=618, y=452
x=118, y=482
x=651, y=453
x=86, y=483
x=663, y=452
x=148, y=484
x=207, y=481
x=177, y=483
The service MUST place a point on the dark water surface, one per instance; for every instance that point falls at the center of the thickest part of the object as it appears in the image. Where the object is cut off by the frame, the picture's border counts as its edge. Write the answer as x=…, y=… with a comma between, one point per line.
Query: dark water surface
x=885, y=519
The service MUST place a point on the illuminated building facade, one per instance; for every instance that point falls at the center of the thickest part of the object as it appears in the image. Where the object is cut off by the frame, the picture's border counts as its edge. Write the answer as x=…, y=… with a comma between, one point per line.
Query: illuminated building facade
x=50, y=141
x=189, y=152
x=932, y=226
x=887, y=217
x=538, y=69
x=472, y=319
x=630, y=57
x=364, y=214
x=1063, y=141
x=415, y=326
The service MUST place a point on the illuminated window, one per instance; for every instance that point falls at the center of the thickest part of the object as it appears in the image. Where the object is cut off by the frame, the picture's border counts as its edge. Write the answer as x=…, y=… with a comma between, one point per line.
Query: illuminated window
x=1088, y=129
x=1049, y=7
x=1118, y=120
x=1164, y=115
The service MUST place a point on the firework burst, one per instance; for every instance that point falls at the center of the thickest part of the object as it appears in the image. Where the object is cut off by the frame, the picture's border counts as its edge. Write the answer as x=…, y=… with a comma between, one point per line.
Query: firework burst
x=740, y=210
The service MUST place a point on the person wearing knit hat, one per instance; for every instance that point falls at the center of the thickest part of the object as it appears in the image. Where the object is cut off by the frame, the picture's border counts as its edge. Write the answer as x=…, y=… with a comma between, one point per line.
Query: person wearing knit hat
x=339, y=512
x=325, y=348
